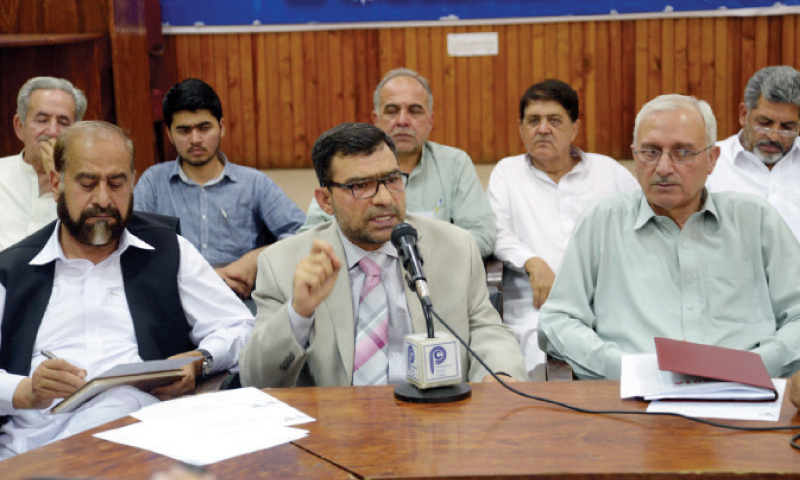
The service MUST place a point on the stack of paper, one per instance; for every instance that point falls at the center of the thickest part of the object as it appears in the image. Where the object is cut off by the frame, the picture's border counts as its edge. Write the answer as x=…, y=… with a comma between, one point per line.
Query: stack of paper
x=209, y=428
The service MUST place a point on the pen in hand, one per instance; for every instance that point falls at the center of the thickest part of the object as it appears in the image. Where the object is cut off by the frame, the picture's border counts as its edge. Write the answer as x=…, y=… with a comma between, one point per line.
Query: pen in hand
x=49, y=354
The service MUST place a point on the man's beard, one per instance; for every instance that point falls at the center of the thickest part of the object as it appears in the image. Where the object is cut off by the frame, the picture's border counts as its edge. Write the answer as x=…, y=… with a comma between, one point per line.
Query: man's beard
x=200, y=161
x=101, y=232
x=359, y=233
x=769, y=158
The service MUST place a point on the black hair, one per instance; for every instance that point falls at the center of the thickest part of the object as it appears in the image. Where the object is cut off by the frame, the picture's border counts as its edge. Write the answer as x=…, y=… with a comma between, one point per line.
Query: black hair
x=346, y=139
x=554, y=90
x=191, y=94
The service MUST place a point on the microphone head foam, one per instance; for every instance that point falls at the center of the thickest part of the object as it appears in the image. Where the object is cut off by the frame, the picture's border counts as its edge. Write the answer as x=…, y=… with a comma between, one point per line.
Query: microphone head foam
x=401, y=230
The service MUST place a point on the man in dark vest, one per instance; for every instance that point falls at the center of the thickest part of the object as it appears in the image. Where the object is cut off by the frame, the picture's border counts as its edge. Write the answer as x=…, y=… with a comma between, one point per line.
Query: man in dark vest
x=99, y=287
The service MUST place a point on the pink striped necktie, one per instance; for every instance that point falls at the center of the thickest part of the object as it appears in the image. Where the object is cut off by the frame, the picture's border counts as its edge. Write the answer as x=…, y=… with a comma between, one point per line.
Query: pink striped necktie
x=371, y=359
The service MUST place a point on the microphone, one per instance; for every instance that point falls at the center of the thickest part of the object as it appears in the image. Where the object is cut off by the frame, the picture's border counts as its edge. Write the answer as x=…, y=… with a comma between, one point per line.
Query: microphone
x=404, y=239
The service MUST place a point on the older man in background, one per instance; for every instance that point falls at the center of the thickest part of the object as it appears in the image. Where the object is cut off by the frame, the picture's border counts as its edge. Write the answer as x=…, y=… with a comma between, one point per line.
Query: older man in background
x=46, y=106
x=442, y=181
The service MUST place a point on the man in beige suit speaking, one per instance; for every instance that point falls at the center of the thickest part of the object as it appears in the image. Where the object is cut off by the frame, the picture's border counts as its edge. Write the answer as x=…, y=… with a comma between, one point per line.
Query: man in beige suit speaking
x=333, y=307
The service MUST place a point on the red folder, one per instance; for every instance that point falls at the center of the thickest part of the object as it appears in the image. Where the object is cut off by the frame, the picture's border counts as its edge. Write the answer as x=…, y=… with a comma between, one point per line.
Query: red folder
x=718, y=363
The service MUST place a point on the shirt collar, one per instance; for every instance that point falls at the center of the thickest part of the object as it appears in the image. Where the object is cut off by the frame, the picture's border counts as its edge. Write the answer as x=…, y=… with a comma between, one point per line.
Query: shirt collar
x=646, y=211
x=226, y=172
x=52, y=249
x=573, y=151
x=353, y=253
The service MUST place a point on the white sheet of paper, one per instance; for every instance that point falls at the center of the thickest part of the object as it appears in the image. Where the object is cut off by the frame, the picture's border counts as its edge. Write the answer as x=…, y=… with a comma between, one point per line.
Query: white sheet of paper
x=767, y=411
x=204, y=443
x=636, y=375
x=242, y=401
x=208, y=428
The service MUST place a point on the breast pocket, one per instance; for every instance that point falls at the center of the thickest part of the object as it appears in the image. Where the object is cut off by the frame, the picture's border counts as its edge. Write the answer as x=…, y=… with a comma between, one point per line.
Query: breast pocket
x=234, y=231
x=731, y=294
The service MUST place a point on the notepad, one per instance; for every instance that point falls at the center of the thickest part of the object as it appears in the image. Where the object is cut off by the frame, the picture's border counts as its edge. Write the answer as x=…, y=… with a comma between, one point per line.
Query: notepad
x=142, y=375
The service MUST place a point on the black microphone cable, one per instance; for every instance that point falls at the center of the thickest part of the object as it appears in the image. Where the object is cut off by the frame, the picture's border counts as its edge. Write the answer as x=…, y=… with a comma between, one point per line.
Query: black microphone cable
x=793, y=442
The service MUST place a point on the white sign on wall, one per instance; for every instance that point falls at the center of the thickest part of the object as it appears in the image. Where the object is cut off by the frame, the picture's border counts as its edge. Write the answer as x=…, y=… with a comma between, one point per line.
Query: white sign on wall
x=472, y=44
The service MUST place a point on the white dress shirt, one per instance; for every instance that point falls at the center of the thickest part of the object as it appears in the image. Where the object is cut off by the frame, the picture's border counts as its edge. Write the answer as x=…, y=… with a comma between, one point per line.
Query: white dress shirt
x=88, y=323
x=738, y=170
x=534, y=217
x=22, y=210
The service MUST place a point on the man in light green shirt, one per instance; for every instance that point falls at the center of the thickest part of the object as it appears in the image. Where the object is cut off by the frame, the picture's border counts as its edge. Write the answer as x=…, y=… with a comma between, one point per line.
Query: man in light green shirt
x=674, y=260
x=442, y=181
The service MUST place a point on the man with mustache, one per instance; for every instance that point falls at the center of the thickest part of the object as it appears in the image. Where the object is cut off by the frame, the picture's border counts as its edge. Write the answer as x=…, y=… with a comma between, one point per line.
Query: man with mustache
x=333, y=308
x=46, y=106
x=100, y=287
x=229, y=212
x=764, y=157
x=442, y=181
x=674, y=260
x=536, y=198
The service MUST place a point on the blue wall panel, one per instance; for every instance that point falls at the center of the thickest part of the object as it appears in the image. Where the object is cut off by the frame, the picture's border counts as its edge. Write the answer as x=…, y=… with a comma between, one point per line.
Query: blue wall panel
x=248, y=12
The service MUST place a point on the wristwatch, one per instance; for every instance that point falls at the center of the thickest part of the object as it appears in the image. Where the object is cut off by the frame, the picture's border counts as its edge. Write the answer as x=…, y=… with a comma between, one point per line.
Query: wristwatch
x=208, y=362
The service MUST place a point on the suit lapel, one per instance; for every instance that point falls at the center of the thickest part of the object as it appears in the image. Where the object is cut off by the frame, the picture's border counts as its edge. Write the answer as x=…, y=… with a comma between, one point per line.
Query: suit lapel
x=339, y=304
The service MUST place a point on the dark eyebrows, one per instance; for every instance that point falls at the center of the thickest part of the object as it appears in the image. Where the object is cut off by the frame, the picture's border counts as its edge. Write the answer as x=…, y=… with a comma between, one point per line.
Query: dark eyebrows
x=197, y=125
x=377, y=176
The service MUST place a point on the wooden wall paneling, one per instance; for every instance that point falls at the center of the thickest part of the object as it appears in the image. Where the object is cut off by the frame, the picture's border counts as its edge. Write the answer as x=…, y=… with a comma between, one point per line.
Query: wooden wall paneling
x=599, y=130
x=499, y=108
x=680, y=57
x=398, y=48
x=761, y=47
x=589, y=125
x=641, y=52
x=374, y=74
x=775, y=38
x=491, y=88
x=722, y=101
x=475, y=75
x=260, y=77
x=667, y=58
x=554, y=50
x=286, y=107
x=410, y=48
x=206, y=60
x=249, y=103
x=326, y=84
x=233, y=104
x=693, y=39
x=789, y=40
x=463, y=102
x=272, y=118
x=564, y=66
x=628, y=74
x=300, y=151
x=734, y=74
x=385, y=58
x=356, y=107
x=797, y=37
x=615, y=88
x=311, y=130
x=132, y=79
x=707, y=64
x=436, y=80
x=451, y=119
x=423, y=41
x=514, y=87
x=63, y=16
x=532, y=49
x=748, y=43
x=576, y=74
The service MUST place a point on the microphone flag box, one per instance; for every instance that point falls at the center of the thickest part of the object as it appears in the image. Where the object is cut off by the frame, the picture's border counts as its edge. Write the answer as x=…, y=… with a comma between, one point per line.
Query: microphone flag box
x=432, y=362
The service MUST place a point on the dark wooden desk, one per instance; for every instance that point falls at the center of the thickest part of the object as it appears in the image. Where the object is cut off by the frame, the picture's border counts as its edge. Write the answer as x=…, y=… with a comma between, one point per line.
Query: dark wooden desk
x=492, y=435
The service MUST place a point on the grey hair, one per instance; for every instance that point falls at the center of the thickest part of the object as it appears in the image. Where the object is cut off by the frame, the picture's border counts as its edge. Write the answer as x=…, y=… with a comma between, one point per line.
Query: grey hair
x=49, y=83
x=79, y=129
x=401, y=72
x=779, y=84
x=670, y=103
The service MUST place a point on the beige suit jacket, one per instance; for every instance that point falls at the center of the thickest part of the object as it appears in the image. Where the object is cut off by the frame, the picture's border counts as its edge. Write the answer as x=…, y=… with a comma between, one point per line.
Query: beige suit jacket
x=456, y=280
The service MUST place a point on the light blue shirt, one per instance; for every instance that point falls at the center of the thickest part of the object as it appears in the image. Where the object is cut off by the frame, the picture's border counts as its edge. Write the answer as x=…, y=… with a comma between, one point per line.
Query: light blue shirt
x=225, y=218
x=444, y=185
x=728, y=278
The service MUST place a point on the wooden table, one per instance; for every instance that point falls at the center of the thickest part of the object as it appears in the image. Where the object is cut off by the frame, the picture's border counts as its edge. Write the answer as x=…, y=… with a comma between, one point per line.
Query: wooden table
x=365, y=433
